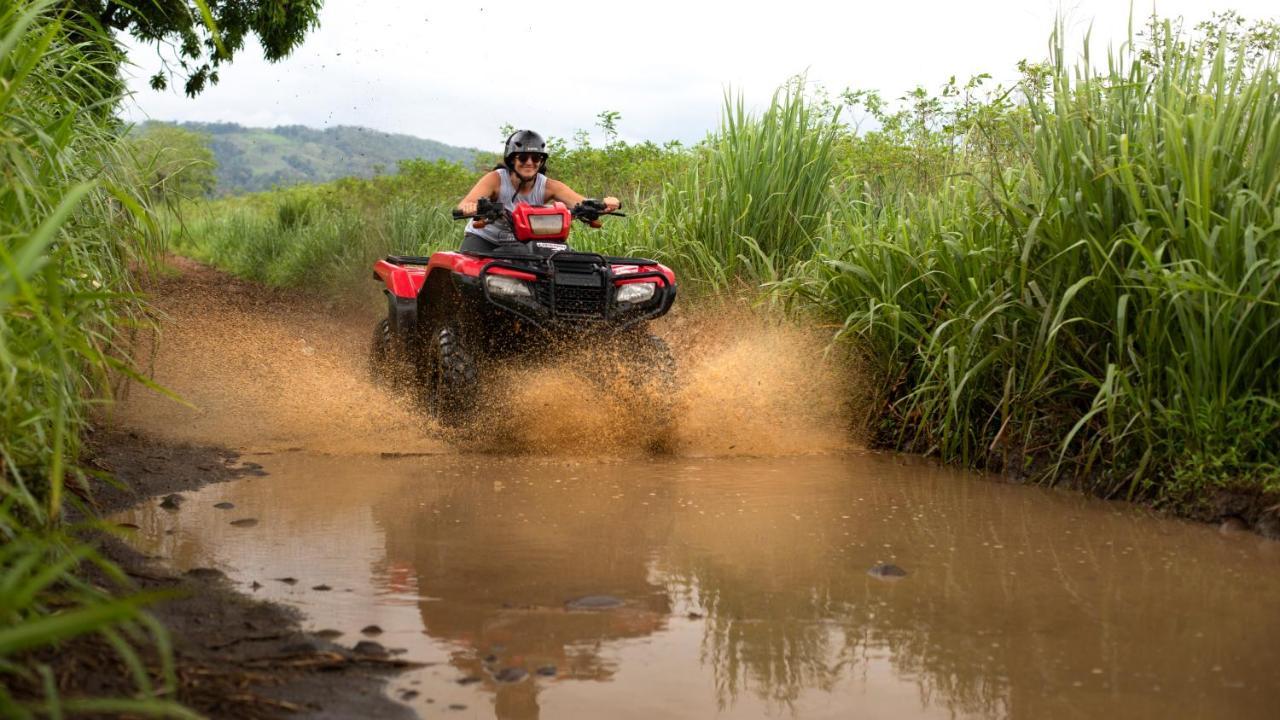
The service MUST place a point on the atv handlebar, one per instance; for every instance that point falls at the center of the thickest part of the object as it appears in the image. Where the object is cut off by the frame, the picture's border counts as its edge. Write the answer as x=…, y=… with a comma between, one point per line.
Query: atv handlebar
x=486, y=209
x=588, y=211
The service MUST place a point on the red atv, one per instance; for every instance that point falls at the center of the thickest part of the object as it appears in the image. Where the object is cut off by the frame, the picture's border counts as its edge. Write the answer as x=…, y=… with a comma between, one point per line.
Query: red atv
x=453, y=317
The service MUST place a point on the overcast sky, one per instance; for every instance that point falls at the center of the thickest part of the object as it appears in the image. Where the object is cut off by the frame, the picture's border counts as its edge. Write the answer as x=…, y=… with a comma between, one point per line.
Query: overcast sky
x=456, y=72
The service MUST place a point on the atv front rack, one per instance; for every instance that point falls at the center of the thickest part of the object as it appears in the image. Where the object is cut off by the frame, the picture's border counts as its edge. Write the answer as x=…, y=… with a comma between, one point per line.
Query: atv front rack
x=579, y=288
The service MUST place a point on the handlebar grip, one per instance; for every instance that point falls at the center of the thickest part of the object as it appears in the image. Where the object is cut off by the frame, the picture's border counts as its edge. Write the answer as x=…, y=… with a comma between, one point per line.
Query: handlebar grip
x=458, y=215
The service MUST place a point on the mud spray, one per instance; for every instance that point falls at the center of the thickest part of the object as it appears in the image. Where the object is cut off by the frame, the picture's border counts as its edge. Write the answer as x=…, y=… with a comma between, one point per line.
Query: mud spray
x=265, y=370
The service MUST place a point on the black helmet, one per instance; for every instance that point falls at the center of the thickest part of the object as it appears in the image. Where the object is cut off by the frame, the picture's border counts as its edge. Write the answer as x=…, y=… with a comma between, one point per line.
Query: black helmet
x=524, y=141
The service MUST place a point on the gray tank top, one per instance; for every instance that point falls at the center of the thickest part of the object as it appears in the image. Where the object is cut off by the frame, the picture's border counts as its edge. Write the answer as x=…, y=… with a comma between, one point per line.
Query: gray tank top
x=501, y=232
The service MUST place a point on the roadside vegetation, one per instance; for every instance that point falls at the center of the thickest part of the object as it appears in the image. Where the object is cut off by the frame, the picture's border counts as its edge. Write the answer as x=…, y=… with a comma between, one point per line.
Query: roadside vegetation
x=1074, y=278
x=78, y=236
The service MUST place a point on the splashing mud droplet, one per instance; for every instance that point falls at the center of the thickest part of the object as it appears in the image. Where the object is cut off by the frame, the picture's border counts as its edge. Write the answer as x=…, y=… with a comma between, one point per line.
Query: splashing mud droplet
x=747, y=383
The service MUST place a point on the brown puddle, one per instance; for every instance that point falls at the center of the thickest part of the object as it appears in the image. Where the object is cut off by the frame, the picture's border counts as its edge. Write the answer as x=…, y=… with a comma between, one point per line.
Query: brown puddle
x=744, y=587
x=701, y=584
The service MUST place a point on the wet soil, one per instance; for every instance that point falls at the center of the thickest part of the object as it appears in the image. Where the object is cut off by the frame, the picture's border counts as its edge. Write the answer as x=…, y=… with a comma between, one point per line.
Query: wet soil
x=235, y=656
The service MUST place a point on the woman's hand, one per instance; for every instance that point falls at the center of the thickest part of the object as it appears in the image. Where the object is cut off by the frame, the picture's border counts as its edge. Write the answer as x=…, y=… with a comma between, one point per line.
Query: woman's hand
x=467, y=207
x=611, y=203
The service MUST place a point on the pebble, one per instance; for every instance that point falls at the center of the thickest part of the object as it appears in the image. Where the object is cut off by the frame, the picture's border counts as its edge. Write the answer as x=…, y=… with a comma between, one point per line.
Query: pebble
x=369, y=647
x=205, y=573
x=245, y=522
x=224, y=505
x=408, y=694
x=594, y=602
x=468, y=680
x=322, y=588
x=511, y=675
x=371, y=630
x=171, y=501
x=547, y=670
x=288, y=580
x=328, y=633
x=885, y=571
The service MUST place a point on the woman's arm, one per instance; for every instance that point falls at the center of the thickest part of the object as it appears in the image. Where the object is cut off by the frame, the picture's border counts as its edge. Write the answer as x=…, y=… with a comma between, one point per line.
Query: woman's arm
x=557, y=190
x=485, y=187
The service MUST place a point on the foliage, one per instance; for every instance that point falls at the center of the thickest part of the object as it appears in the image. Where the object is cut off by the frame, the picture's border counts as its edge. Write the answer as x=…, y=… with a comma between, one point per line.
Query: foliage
x=184, y=26
x=746, y=205
x=1108, y=303
x=73, y=226
x=174, y=162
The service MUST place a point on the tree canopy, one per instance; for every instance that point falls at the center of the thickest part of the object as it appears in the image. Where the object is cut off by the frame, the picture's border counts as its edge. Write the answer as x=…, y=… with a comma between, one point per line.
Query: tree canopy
x=184, y=27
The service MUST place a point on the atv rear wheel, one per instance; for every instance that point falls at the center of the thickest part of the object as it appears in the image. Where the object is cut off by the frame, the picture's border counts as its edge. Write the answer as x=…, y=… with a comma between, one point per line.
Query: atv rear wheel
x=456, y=379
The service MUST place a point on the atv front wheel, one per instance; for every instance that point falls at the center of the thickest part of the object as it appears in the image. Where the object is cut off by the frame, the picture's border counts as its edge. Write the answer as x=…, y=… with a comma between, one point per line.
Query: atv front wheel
x=652, y=368
x=653, y=363
x=381, y=364
x=456, y=377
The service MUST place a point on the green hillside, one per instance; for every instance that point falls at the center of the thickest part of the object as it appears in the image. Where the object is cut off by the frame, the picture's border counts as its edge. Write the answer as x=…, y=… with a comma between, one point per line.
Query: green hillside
x=253, y=159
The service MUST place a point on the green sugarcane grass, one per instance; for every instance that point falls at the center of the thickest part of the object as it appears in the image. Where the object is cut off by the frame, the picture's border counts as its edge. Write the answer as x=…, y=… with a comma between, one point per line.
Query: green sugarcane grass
x=73, y=229
x=1111, y=302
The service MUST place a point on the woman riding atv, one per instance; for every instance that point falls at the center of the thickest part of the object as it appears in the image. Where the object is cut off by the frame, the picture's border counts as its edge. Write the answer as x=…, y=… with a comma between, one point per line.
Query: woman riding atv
x=521, y=179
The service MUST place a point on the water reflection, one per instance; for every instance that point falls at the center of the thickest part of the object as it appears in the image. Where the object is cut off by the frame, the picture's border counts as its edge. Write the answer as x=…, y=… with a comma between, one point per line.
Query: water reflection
x=1020, y=602
x=497, y=561
x=745, y=588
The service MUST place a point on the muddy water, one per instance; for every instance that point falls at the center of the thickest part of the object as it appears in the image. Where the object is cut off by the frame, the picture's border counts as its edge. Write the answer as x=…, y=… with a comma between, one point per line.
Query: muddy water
x=733, y=572
x=744, y=588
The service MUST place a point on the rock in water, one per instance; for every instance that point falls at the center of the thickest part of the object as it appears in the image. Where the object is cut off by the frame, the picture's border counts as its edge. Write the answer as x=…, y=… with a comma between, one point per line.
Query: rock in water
x=547, y=671
x=245, y=522
x=369, y=647
x=886, y=571
x=511, y=675
x=1232, y=525
x=171, y=501
x=224, y=505
x=594, y=602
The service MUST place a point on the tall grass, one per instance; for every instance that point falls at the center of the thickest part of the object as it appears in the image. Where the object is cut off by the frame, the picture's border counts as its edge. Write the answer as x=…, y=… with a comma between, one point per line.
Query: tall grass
x=1110, y=305
x=73, y=228
x=753, y=200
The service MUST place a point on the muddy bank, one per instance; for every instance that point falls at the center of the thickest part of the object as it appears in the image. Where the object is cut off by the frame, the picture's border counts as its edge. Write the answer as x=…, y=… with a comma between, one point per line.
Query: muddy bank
x=235, y=657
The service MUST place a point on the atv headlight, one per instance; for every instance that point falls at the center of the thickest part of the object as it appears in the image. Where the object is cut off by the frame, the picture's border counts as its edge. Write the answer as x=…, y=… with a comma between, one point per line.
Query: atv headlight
x=507, y=286
x=546, y=224
x=635, y=292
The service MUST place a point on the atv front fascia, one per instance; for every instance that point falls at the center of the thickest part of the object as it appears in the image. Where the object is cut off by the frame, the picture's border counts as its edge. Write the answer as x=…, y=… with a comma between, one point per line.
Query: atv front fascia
x=571, y=295
x=574, y=293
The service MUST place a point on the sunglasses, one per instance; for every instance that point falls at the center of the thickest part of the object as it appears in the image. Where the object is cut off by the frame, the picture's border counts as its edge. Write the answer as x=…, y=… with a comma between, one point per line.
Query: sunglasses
x=525, y=157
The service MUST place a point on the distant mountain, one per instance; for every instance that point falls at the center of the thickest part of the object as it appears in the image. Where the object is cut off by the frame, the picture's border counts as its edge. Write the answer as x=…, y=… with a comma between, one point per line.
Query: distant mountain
x=253, y=159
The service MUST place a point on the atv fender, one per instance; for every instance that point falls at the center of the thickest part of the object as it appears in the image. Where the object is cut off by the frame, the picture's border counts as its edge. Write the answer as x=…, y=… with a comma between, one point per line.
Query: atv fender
x=402, y=313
